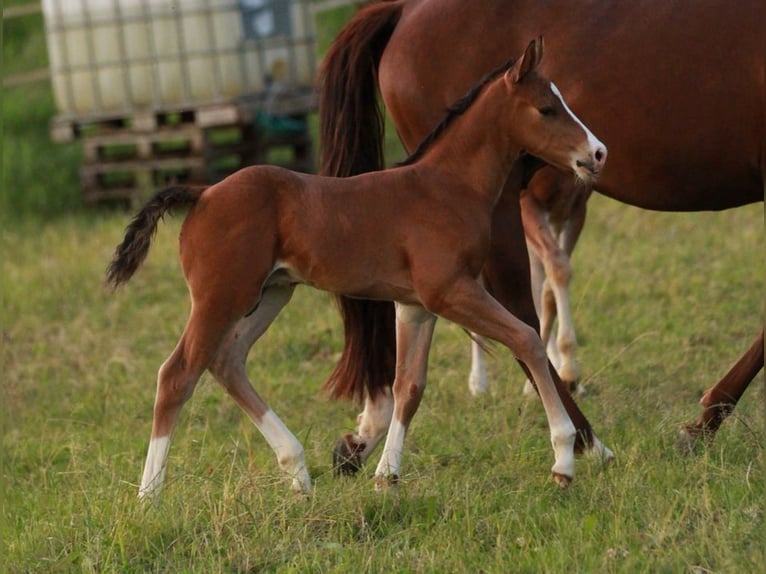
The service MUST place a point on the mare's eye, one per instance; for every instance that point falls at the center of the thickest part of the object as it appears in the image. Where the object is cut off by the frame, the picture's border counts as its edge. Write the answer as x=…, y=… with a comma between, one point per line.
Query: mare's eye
x=547, y=111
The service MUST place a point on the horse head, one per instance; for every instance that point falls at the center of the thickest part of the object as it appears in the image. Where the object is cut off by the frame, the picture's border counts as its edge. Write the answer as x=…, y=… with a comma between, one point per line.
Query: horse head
x=544, y=124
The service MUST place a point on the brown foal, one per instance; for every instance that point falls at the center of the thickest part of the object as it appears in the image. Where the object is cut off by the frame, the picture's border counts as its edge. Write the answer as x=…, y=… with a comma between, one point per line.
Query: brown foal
x=417, y=234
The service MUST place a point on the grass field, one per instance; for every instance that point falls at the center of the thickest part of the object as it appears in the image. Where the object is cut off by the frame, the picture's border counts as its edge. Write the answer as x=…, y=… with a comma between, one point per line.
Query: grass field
x=663, y=304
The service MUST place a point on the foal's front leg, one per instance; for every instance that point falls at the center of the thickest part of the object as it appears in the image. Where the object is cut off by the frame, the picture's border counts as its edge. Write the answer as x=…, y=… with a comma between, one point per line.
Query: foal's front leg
x=468, y=304
x=372, y=423
x=414, y=330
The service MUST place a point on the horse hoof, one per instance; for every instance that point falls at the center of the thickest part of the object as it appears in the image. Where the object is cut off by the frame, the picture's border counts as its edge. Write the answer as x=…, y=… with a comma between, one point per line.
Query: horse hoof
x=386, y=483
x=690, y=439
x=573, y=387
x=563, y=481
x=346, y=458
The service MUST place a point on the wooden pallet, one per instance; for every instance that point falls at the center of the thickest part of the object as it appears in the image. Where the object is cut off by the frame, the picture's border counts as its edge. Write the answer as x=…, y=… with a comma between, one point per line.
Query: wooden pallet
x=67, y=129
x=127, y=157
x=136, y=180
x=126, y=165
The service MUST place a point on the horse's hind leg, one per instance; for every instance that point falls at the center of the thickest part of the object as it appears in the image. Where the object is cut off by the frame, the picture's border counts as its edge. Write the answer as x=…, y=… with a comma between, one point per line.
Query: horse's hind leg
x=176, y=381
x=228, y=368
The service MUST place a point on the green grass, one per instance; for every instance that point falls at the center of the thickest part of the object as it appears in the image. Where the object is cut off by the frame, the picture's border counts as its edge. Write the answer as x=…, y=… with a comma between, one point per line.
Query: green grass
x=663, y=304
x=657, y=326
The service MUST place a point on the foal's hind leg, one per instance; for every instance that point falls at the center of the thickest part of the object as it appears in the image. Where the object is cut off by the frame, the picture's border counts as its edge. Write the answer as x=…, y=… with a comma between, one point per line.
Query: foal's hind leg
x=228, y=368
x=414, y=330
x=176, y=381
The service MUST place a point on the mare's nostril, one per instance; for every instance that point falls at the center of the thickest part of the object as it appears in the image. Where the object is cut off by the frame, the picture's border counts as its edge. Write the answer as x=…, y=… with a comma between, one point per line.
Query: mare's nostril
x=599, y=155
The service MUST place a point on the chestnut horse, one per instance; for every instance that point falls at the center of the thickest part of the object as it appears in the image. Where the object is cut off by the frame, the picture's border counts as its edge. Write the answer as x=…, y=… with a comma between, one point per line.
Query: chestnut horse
x=676, y=88
x=417, y=234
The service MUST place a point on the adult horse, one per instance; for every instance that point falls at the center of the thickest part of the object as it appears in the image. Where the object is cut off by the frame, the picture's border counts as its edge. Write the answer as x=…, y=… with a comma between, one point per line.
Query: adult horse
x=675, y=88
x=416, y=234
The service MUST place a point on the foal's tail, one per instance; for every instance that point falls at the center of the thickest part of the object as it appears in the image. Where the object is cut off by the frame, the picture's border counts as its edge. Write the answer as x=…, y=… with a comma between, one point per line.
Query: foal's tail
x=351, y=125
x=138, y=234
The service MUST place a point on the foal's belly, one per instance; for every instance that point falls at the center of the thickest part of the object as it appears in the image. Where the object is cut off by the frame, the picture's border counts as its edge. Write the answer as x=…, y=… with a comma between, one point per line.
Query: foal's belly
x=340, y=280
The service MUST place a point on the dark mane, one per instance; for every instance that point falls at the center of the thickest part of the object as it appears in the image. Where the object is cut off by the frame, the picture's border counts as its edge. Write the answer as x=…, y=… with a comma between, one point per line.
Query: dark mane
x=455, y=110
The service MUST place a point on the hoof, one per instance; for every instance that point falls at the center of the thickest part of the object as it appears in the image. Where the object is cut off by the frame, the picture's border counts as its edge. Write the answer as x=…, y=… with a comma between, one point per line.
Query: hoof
x=386, y=483
x=690, y=439
x=563, y=481
x=346, y=458
x=573, y=387
x=599, y=451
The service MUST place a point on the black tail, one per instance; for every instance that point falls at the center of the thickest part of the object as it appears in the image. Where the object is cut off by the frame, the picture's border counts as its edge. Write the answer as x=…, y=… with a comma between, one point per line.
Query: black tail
x=351, y=131
x=138, y=234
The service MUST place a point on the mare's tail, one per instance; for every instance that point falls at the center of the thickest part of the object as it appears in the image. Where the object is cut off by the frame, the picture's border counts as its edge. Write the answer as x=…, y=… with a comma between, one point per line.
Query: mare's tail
x=138, y=234
x=351, y=125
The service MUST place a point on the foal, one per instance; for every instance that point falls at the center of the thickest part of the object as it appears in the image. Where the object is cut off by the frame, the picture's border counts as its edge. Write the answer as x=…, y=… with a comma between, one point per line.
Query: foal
x=416, y=234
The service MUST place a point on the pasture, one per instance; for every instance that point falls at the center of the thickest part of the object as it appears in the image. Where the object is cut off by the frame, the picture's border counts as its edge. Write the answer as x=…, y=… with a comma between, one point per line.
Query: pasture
x=663, y=304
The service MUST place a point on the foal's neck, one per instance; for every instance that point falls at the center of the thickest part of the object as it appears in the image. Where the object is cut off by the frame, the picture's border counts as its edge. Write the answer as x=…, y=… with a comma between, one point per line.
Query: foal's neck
x=478, y=147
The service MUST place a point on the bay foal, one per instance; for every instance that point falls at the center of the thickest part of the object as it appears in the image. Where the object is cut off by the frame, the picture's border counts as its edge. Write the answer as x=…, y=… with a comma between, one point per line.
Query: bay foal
x=417, y=234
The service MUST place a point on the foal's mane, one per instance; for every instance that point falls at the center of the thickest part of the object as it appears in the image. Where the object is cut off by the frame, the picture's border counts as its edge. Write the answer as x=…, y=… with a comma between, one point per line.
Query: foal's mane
x=455, y=110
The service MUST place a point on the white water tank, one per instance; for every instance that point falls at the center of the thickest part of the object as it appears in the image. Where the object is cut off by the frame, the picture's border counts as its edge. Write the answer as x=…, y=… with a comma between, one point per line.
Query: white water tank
x=110, y=57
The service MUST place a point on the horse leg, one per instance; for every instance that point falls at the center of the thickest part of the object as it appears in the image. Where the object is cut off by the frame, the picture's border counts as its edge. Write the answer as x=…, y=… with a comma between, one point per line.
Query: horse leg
x=569, y=232
x=478, y=379
x=228, y=368
x=506, y=275
x=542, y=242
x=414, y=330
x=545, y=307
x=176, y=381
x=468, y=304
x=719, y=401
x=372, y=423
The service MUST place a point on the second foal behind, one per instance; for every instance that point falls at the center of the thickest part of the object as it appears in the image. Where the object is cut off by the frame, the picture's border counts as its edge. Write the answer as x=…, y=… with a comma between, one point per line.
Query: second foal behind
x=417, y=234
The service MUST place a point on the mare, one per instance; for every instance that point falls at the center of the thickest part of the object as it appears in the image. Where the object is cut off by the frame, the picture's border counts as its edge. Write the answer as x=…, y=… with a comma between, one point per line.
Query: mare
x=677, y=89
x=417, y=234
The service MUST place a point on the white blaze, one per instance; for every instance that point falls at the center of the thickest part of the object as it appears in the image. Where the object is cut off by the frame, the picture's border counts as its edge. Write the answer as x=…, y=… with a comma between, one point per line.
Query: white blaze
x=592, y=140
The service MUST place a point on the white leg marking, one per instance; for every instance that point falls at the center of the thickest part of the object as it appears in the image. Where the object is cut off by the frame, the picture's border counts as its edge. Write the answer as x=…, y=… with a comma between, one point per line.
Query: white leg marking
x=373, y=422
x=391, y=459
x=599, y=451
x=287, y=448
x=154, y=468
x=478, y=381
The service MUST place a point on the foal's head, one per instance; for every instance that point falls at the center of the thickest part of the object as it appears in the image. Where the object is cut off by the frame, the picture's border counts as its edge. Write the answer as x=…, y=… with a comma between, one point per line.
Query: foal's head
x=544, y=125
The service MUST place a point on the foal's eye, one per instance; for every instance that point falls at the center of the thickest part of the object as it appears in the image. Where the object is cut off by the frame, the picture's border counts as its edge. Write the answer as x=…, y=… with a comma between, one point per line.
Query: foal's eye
x=547, y=111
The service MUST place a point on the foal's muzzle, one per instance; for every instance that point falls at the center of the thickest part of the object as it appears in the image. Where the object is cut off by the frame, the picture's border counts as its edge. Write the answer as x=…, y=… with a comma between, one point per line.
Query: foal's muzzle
x=595, y=163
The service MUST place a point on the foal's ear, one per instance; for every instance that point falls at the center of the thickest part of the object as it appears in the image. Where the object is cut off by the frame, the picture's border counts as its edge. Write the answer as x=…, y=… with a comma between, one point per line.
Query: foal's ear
x=528, y=62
